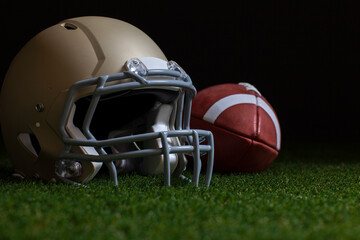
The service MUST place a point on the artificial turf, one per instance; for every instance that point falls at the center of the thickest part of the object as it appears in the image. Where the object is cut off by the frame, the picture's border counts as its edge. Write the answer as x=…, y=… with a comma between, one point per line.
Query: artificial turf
x=311, y=191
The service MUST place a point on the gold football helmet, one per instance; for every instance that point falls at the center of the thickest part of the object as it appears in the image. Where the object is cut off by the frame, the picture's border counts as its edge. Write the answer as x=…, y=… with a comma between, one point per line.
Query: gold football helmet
x=93, y=91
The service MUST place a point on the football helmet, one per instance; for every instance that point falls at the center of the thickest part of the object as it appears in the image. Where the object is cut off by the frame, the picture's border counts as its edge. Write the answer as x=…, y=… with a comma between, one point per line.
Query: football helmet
x=93, y=91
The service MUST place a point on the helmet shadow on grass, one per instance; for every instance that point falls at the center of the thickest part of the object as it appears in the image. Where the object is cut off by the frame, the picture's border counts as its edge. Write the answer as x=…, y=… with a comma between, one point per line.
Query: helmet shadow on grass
x=7, y=176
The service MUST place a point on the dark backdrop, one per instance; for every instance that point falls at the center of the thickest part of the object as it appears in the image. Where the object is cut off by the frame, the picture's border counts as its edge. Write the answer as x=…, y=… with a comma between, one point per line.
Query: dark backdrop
x=303, y=57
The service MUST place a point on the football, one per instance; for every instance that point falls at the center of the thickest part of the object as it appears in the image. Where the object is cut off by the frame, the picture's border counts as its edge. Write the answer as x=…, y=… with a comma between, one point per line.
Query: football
x=245, y=127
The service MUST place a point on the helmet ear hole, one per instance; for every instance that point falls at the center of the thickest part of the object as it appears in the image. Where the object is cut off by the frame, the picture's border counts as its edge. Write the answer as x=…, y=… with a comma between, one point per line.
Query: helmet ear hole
x=30, y=142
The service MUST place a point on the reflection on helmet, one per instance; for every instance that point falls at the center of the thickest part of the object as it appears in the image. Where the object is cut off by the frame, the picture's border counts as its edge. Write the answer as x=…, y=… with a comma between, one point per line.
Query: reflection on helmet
x=95, y=91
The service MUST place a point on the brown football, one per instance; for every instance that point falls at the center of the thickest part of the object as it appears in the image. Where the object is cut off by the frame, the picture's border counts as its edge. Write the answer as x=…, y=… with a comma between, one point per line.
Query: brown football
x=245, y=127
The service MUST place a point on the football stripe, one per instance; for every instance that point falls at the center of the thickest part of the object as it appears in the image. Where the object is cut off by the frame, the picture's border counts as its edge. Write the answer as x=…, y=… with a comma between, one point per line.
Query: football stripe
x=270, y=112
x=217, y=108
x=220, y=106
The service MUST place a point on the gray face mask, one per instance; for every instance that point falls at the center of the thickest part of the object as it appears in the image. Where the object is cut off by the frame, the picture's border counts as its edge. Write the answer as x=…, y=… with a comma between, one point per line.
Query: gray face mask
x=154, y=142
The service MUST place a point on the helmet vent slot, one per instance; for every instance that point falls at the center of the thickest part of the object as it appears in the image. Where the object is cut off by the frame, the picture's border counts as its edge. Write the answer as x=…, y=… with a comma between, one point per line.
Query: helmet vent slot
x=30, y=142
x=69, y=26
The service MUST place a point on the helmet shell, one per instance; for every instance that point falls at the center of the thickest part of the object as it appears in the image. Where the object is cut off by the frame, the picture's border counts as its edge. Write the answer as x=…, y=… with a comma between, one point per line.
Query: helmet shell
x=35, y=86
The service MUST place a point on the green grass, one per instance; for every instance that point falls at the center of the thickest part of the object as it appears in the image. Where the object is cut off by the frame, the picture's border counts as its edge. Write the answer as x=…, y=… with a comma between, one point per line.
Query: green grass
x=312, y=191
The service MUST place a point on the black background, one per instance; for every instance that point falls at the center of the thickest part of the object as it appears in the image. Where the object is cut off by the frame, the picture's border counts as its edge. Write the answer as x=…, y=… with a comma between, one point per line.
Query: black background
x=302, y=56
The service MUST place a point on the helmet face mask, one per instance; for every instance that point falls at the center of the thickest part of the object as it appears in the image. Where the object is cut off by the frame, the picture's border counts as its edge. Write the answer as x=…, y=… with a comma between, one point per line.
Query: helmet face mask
x=135, y=119
x=168, y=142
